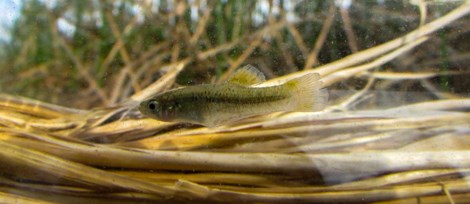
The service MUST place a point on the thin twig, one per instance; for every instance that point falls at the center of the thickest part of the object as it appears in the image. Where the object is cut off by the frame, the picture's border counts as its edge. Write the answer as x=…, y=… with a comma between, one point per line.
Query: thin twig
x=348, y=28
x=312, y=58
x=367, y=54
x=81, y=69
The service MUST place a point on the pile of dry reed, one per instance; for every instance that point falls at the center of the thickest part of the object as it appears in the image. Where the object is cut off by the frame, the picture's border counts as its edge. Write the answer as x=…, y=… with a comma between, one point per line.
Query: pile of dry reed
x=408, y=153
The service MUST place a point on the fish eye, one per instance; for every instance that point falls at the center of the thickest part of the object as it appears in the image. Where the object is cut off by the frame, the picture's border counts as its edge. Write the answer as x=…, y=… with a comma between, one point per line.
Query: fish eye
x=153, y=105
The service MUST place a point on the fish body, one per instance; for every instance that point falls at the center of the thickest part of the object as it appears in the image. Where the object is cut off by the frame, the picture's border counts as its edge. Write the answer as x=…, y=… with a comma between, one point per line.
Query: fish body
x=215, y=104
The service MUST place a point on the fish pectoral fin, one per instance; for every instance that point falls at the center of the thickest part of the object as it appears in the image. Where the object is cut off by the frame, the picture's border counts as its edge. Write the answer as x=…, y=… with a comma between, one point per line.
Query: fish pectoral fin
x=247, y=76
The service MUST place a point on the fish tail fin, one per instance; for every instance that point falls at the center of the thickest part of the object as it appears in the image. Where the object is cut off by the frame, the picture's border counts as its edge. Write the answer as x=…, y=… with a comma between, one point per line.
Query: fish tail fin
x=306, y=93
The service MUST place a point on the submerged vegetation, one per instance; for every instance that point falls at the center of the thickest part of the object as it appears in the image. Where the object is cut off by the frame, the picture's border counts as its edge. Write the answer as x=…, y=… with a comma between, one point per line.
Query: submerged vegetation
x=395, y=129
x=105, y=51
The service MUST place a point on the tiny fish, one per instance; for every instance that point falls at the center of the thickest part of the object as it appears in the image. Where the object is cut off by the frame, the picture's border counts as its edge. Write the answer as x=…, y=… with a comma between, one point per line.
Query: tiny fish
x=215, y=104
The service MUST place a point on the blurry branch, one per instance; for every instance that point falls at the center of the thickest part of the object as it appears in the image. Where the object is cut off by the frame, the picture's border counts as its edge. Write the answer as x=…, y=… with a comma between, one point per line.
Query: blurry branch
x=313, y=56
x=23, y=53
x=120, y=45
x=159, y=85
x=175, y=54
x=346, y=104
x=242, y=58
x=367, y=54
x=422, y=10
x=349, y=29
x=285, y=53
x=143, y=65
x=82, y=70
x=213, y=51
x=201, y=26
x=458, y=57
x=298, y=39
x=116, y=59
x=229, y=45
x=352, y=71
x=422, y=77
x=435, y=91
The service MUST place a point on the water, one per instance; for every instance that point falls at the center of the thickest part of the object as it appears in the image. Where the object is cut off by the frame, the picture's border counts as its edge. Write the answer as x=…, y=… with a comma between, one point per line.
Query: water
x=395, y=129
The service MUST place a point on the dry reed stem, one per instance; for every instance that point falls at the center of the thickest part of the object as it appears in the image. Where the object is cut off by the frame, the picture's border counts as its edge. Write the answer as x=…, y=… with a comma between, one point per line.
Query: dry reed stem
x=407, y=75
x=75, y=172
x=218, y=161
x=7, y=197
x=333, y=167
x=422, y=11
x=36, y=108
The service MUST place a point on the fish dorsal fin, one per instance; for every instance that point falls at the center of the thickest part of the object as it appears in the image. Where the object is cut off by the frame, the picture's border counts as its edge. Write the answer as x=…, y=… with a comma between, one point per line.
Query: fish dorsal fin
x=247, y=76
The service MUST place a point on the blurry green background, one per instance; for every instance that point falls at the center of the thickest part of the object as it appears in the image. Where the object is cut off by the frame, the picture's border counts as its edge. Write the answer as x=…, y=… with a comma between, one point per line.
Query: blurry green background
x=97, y=53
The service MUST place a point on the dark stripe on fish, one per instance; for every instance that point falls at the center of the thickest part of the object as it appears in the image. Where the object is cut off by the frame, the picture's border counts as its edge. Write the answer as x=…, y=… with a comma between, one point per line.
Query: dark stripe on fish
x=211, y=97
x=244, y=100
